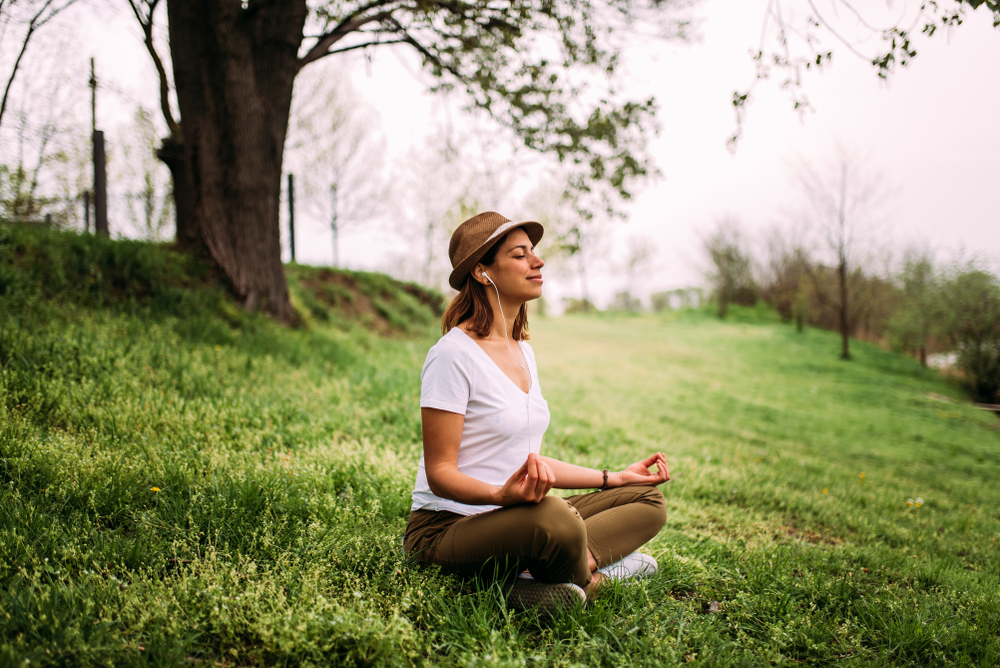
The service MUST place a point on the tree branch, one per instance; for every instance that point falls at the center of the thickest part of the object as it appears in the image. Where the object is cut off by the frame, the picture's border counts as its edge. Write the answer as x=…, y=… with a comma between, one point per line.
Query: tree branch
x=350, y=24
x=147, y=30
x=37, y=21
x=819, y=17
x=17, y=63
x=426, y=53
x=362, y=46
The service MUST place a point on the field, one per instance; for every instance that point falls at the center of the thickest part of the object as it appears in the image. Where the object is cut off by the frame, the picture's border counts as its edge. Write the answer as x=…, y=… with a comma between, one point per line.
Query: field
x=185, y=484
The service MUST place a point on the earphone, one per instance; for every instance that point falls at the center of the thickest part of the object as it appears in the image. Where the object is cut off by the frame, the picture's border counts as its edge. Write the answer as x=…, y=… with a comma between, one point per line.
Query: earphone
x=524, y=368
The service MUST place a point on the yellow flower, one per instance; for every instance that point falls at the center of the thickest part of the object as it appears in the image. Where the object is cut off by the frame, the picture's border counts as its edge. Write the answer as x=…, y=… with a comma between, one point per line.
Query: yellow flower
x=919, y=502
x=909, y=503
x=862, y=476
x=154, y=489
x=218, y=347
x=825, y=490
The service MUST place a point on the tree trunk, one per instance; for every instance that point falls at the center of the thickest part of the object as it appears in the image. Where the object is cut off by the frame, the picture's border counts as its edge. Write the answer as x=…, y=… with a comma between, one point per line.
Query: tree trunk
x=234, y=69
x=583, y=281
x=845, y=352
x=174, y=155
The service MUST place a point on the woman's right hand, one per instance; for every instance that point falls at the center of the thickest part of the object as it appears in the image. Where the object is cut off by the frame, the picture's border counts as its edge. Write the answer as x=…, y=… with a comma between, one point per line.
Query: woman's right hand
x=529, y=484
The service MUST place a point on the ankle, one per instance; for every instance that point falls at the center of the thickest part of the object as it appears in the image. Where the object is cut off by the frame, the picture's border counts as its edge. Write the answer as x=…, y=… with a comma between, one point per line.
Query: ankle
x=596, y=579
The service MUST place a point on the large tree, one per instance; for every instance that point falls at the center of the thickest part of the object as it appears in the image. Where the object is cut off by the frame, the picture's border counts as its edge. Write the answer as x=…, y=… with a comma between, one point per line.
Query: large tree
x=234, y=63
x=524, y=62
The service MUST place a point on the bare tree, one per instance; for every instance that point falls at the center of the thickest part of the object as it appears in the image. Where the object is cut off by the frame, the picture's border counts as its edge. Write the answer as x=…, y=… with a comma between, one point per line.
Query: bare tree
x=440, y=188
x=842, y=209
x=44, y=160
x=639, y=252
x=575, y=228
x=22, y=19
x=335, y=153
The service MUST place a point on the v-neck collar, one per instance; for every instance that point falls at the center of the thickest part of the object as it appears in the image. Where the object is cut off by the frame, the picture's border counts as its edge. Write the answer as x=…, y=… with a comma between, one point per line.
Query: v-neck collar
x=497, y=366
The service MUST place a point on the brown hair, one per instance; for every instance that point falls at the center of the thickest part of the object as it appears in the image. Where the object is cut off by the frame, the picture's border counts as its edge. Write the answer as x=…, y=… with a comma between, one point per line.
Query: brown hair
x=472, y=305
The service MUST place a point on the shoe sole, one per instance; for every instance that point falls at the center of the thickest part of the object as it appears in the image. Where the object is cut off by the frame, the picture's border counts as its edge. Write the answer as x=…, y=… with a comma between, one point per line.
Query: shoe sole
x=528, y=594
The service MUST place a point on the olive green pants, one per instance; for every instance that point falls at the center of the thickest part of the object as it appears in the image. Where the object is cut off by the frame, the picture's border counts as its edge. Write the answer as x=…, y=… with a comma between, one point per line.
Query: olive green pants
x=550, y=538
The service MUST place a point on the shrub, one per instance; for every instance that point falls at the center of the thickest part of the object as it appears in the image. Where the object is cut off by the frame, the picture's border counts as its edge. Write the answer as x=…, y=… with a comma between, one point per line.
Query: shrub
x=972, y=322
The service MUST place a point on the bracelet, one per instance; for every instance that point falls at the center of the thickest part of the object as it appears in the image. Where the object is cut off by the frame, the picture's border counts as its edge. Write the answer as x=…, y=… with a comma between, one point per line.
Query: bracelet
x=605, y=485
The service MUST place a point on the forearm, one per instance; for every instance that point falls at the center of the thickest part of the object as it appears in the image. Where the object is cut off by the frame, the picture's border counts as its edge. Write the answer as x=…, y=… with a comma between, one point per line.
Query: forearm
x=571, y=476
x=450, y=483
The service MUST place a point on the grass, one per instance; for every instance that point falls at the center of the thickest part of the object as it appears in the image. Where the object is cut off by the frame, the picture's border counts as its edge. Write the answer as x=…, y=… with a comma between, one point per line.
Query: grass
x=792, y=473
x=182, y=483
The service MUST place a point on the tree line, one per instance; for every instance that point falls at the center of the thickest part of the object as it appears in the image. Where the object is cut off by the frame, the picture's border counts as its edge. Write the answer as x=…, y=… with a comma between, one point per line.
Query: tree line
x=547, y=72
x=917, y=305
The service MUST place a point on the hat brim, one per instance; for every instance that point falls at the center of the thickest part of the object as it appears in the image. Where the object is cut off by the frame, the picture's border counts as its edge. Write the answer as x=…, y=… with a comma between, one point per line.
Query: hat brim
x=532, y=229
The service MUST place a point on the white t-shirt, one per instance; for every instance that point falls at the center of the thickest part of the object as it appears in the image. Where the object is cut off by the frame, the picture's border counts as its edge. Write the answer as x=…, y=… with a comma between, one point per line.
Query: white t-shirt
x=459, y=377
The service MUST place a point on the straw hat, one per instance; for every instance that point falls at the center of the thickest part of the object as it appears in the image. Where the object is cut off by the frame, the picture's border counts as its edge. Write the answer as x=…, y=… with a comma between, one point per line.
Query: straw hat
x=477, y=235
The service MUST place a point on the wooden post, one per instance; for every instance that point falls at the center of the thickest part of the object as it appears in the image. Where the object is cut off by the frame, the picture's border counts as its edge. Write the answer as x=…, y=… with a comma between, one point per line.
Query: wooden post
x=86, y=211
x=93, y=97
x=291, y=214
x=100, y=171
x=100, y=186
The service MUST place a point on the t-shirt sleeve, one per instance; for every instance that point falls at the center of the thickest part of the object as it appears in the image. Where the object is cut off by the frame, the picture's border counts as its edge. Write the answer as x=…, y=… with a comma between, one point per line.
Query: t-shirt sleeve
x=446, y=380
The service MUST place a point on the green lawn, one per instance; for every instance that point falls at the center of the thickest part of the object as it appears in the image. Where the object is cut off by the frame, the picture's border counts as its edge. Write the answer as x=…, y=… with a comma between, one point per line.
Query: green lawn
x=792, y=475
x=184, y=484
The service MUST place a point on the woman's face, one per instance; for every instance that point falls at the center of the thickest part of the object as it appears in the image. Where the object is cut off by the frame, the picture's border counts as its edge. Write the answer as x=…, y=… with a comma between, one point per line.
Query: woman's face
x=517, y=271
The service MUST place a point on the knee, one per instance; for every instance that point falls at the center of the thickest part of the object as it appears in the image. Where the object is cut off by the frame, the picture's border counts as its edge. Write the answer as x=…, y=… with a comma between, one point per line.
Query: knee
x=652, y=499
x=559, y=524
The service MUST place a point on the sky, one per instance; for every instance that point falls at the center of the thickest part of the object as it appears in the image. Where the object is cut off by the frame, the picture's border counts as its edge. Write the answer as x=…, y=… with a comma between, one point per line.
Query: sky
x=930, y=132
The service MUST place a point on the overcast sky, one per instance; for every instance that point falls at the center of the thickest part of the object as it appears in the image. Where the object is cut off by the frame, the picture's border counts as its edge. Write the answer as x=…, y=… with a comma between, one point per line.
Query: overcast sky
x=931, y=132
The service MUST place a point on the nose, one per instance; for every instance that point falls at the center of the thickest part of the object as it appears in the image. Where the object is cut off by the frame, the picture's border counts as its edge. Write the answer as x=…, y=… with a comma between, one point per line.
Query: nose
x=536, y=262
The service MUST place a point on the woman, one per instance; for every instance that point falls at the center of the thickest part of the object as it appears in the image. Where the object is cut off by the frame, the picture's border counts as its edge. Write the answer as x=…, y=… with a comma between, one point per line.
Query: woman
x=480, y=502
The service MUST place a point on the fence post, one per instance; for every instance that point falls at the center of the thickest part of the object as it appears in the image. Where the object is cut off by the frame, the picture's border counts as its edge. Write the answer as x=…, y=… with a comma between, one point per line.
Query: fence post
x=291, y=214
x=86, y=211
x=100, y=171
x=100, y=186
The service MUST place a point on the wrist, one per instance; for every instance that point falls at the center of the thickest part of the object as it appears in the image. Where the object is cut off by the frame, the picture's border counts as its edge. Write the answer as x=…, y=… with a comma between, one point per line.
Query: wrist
x=497, y=497
x=615, y=479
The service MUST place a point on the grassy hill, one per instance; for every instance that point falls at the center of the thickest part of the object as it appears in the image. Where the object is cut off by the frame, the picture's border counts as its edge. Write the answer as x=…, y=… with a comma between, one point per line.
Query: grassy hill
x=183, y=483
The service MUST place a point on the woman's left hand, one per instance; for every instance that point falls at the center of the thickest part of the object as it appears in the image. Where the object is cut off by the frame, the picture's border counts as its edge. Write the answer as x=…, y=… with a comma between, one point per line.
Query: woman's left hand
x=639, y=473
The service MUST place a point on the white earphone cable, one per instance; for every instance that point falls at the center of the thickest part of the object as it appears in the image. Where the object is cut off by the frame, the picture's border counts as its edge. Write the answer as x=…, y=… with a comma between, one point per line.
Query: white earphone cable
x=510, y=351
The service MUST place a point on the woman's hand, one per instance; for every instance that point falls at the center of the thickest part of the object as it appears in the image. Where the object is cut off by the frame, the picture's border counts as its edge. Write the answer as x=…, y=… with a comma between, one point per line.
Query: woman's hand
x=529, y=484
x=639, y=473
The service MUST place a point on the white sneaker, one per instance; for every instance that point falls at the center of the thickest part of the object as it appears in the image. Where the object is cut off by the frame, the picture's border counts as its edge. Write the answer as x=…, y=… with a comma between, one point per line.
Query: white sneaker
x=635, y=565
x=528, y=593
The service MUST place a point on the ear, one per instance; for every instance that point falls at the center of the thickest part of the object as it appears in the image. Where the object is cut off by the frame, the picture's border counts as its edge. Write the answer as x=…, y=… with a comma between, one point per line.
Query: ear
x=477, y=274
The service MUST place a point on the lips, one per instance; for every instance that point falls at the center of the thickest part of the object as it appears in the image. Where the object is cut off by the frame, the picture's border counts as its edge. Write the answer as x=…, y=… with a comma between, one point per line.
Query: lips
x=535, y=278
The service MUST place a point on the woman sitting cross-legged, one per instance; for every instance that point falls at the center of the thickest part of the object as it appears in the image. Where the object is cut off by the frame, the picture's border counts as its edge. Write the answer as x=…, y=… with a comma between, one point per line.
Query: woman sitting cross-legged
x=480, y=503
